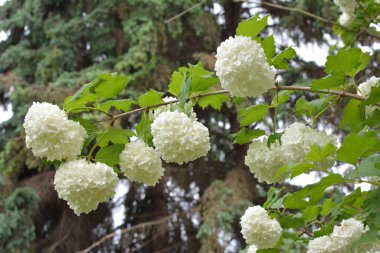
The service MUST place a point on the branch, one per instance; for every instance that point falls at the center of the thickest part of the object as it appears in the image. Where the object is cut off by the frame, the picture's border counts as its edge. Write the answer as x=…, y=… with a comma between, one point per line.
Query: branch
x=309, y=14
x=171, y=102
x=218, y=92
x=125, y=230
x=167, y=21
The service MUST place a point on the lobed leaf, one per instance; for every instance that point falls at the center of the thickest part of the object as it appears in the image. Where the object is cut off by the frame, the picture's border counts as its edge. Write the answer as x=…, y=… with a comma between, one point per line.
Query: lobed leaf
x=280, y=60
x=109, y=155
x=246, y=135
x=120, y=104
x=247, y=116
x=152, y=97
x=215, y=101
x=357, y=146
x=251, y=27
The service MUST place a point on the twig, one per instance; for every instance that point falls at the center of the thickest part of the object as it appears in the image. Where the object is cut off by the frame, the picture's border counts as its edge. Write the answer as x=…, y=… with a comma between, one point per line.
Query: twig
x=166, y=103
x=219, y=92
x=167, y=21
x=291, y=88
x=122, y=231
x=309, y=14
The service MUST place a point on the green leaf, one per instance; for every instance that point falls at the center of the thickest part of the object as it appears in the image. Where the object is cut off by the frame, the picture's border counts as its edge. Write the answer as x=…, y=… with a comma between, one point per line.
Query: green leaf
x=109, y=155
x=269, y=48
x=291, y=221
x=215, y=101
x=325, y=230
x=143, y=129
x=152, y=97
x=247, y=116
x=185, y=91
x=374, y=97
x=356, y=146
x=353, y=116
x=273, y=196
x=313, y=191
x=351, y=205
x=107, y=85
x=310, y=213
x=327, y=207
x=91, y=130
x=175, y=84
x=88, y=125
x=373, y=120
x=347, y=61
x=70, y=105
x=372, y=207
x=300, y=168
x=83, y=95
x=292, y=201
x=280, y=60
x=318, y=154
x=114, y=135
x=252, y=27
x=201, y=79
x=370, y=166
x=310, y=108
x=370, y=236
x=245, y=135
x=120, y=104
x=328, y=82
x=282, y=97
x=281, y=171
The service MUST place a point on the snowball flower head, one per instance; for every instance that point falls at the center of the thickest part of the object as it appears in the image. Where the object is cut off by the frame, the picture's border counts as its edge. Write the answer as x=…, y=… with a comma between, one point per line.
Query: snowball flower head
x=172, y=107
x=298, y=138
x=178, y=138
x=252, y=249
x=242, y=67
x=347, y=233
x=50, y=134
x=259, y=229
x=141, y=163
x=321, y=244
x=263, y=162
x=84, y=185
x=364, y=90
x=340, y=240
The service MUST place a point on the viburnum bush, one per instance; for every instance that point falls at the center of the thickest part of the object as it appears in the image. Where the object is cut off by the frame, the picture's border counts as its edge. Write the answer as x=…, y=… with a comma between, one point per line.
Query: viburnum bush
x=311, y=218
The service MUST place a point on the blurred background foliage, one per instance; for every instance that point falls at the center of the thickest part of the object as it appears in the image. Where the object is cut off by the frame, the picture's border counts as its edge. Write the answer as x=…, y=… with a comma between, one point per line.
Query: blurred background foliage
x=54, y=46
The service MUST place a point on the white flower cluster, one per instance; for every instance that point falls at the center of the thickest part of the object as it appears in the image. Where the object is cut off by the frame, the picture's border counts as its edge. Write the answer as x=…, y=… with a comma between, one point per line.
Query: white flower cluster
x=242, y=67
x=264, y=162
x=347, y=7
x=178, y=138
x=340, y=240
x=171, y=107
x=364, y=90
x=50, y=134
x=84, y=185
x=298, y=138
x=259, y=229
x=141, y=163
x=296, y=143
